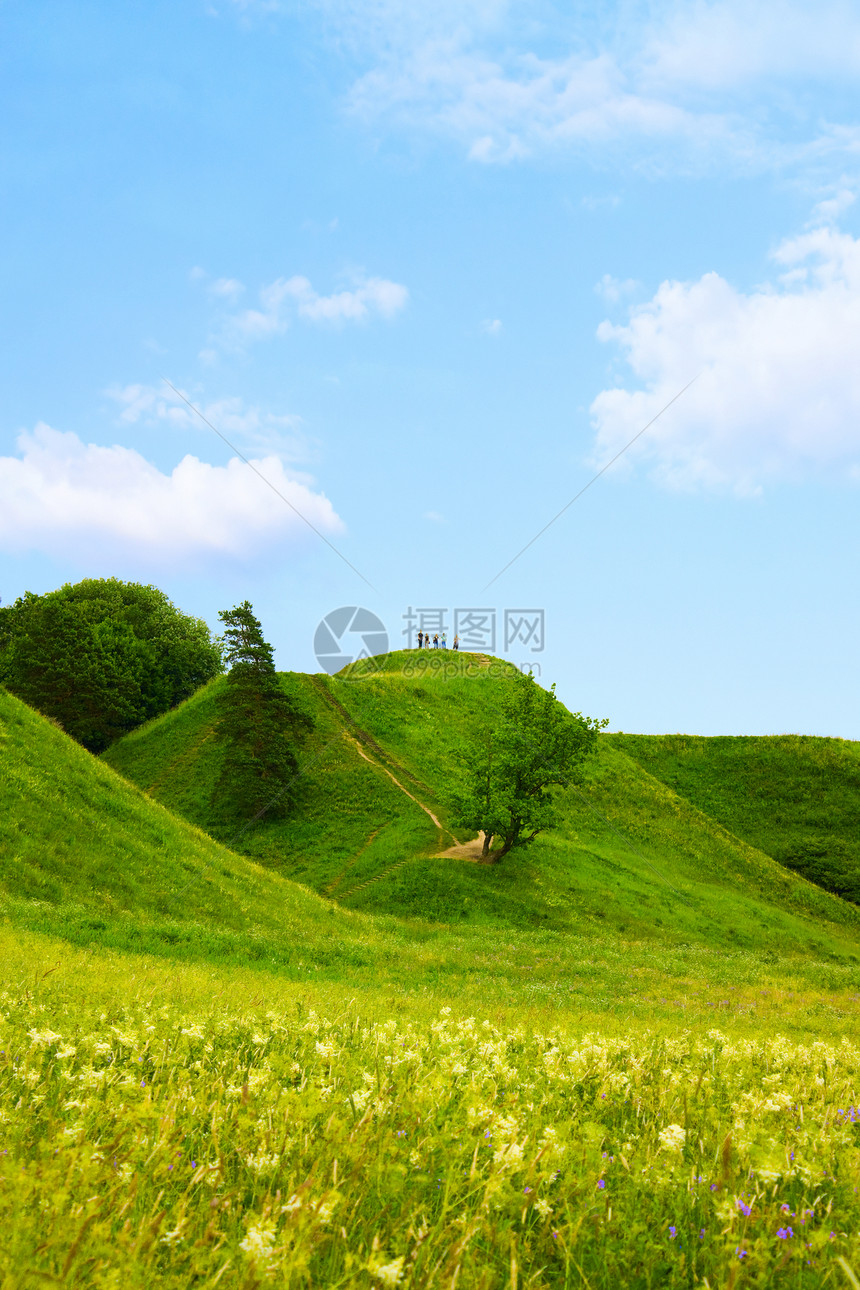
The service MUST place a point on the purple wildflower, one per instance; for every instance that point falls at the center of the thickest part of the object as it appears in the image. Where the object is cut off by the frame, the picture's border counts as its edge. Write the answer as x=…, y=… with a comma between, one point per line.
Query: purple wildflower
x=673, y=1232
x=601, y=1182
x=784, y=1233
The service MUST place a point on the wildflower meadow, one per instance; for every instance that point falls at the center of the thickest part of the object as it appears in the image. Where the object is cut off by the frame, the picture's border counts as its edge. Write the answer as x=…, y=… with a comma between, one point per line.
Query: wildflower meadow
x=146, y=1141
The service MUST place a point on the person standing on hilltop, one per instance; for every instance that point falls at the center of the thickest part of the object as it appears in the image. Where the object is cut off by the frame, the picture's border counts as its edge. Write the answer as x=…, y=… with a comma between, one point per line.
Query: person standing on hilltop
x=436, y=641
x=420, y=639
x=444, y=640
x=456, y=642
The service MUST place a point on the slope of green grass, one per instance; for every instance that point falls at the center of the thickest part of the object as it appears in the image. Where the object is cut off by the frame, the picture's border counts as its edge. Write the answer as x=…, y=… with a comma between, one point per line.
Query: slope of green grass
x=350, y=821
x=795, y=797
x=87, y=857
x=630, y=855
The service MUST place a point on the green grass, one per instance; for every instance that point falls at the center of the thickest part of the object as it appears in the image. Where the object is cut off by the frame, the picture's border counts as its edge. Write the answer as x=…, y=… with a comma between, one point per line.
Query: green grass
x=795, y=797
x=308, y=1044
x=630, y=857
x=188, y=1125
x=343, y=800
x=582, y=916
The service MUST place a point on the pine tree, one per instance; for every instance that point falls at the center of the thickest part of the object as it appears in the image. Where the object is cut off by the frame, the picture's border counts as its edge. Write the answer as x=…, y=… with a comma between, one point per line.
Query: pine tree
x=258, y=724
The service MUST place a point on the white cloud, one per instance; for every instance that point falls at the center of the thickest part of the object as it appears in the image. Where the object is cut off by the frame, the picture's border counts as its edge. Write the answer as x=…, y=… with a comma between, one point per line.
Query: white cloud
x=829, y=209
x=149, y=403
x=63, y=497
x=593, y=202
x=506, y=110
x=286, y=295
x=733, y=43
x=687, y=86
x=152, y=404
x=228, y=288
x=613, y=289
x=779, y=390
x=492, y=326
x=377, y=295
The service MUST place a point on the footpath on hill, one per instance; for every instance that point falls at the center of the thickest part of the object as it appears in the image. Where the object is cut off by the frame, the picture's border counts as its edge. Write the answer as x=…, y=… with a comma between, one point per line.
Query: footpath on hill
x=362, y=739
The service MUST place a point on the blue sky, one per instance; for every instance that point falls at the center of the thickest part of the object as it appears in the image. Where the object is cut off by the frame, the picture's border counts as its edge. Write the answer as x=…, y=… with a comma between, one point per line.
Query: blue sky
x=429, y=272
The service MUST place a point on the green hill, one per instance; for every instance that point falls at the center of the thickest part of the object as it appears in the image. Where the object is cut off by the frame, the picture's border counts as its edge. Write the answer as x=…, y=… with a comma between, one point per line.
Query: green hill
x=86, y=856
x=795, y=797
x=630, y=857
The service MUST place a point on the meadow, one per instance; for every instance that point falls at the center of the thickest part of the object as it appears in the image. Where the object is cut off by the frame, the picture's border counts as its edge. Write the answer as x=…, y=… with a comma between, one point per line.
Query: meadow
x=299, y=1057
x=195, y=1126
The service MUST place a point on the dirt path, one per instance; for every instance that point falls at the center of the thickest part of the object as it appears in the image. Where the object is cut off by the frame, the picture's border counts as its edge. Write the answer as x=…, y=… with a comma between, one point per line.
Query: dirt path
x=472, y=851
x=426, y=809
x=467, y=851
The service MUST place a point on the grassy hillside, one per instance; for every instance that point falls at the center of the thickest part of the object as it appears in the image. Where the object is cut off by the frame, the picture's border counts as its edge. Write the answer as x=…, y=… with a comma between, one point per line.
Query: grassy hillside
x=795, y=797
x=85, y=855
x=631, y=857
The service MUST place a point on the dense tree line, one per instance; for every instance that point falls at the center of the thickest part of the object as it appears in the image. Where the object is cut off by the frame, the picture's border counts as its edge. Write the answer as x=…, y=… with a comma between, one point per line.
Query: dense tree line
x=102, y=656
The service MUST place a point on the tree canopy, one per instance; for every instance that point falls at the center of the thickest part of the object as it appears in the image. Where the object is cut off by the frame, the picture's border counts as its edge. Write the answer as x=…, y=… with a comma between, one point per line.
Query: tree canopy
x=102, y=656
x=259, y=724
x=533, y=745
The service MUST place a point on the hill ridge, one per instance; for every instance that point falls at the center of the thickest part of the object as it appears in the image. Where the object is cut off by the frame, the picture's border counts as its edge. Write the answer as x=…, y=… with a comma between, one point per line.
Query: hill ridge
x=583, y=874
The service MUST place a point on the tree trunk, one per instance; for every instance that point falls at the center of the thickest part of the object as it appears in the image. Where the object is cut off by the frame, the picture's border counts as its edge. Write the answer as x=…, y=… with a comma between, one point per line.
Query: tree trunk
x=485, y=850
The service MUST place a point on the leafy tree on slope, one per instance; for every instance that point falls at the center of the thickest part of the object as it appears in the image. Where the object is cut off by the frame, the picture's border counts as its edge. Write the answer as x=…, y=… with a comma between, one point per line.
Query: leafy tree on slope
x=102, y=656
x=534, y=745
x=258, y=723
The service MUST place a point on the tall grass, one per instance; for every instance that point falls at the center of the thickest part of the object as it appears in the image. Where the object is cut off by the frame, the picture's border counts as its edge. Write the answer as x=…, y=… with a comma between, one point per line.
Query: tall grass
x=213, y=1129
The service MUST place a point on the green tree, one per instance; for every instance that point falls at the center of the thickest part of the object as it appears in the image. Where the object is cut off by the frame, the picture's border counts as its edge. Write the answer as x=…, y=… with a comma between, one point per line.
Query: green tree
x=258, y=724
x=534, y=745
x=101, y=656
